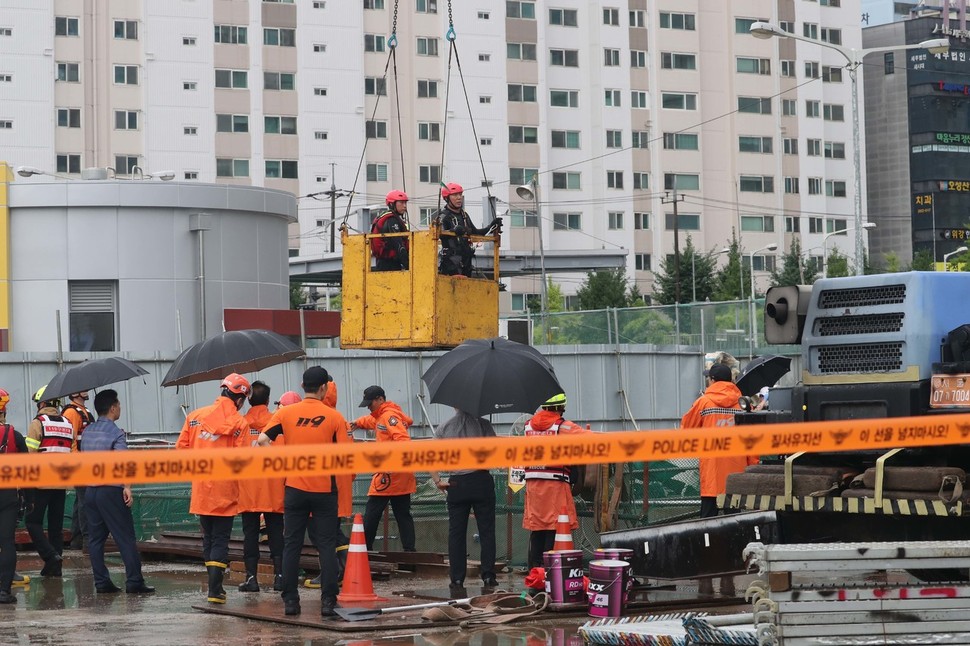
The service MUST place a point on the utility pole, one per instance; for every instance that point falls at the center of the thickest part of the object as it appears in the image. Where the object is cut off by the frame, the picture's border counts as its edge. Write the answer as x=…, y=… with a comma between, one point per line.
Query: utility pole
x=333, y=209
x=674, y=198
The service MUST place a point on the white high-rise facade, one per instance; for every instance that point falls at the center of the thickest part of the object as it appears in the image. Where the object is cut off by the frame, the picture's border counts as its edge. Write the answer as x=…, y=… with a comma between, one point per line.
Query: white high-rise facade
x=612, y=103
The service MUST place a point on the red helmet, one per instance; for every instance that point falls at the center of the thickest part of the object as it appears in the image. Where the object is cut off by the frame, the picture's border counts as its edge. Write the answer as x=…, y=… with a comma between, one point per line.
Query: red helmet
x=451, y=189
x=4, y=399
x=236, y=383
x=289, y=397
x=396, y=196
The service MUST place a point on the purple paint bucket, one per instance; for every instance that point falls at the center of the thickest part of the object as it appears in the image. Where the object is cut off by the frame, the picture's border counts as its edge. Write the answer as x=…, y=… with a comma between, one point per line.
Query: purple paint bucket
x=564, y=578
x=606, y=587
x=618, y=554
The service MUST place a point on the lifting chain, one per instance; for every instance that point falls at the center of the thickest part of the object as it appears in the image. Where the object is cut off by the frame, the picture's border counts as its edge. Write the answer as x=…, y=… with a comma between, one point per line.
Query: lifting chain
x=450, y=34
x=392, y=41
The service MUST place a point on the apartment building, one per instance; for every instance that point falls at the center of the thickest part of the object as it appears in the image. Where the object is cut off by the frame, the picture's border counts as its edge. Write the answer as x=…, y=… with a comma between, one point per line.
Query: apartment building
x=609, y=105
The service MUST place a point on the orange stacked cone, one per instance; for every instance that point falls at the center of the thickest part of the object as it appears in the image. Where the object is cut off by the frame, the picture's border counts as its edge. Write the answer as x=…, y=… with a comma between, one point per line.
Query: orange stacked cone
x=357, y=584
x=564, y=534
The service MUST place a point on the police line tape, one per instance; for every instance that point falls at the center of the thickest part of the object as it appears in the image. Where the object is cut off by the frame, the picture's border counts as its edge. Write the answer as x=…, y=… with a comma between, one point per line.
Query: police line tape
x=154, y=466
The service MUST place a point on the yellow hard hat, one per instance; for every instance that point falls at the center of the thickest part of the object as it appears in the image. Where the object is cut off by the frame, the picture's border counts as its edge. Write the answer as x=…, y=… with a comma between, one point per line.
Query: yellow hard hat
x=39, y=395
x=555, y=400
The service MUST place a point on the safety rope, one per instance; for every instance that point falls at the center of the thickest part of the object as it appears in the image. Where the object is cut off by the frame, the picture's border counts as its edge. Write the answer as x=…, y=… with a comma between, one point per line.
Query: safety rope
x=397, y=99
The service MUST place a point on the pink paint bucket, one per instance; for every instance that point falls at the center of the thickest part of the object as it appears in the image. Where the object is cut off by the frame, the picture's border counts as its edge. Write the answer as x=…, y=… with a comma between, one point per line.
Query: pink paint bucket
x=607, y=587
x=618, y=554
x=564, y=578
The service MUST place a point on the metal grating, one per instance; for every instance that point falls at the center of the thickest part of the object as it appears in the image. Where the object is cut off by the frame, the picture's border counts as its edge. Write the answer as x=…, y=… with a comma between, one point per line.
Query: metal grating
x=863, y=324
x=862, y=296
x=861, y=357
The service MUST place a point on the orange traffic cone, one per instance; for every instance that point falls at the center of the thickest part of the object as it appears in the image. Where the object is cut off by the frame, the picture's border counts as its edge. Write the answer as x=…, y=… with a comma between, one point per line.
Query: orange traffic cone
x=564, y=535
x=357, y=584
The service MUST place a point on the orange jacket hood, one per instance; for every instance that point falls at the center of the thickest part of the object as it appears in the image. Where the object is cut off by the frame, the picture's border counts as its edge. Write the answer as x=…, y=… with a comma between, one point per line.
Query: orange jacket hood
x=724, y=394
x=223, y=419
x=391, y=407
x=544, y=419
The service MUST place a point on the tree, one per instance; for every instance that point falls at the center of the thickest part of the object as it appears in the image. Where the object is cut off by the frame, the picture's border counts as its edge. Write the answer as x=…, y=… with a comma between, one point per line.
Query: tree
x=893, y=263
x=729, y=279
x=703, y=281
x=604, y=289
x=298, y=295
x=555, y=302
x=837, y=265
x=795, y=270
x=923, y=260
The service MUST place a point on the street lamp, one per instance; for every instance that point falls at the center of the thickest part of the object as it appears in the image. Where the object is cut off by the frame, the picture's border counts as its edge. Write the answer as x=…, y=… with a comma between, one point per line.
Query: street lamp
x=530, y=191
x=853, y=58
x=868, y=226
x=946, y=257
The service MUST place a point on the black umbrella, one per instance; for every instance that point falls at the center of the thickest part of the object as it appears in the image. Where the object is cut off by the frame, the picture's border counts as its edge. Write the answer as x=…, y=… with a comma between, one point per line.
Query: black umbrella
x=92, y=374
x=762, y=371
x=234, y=351
x=485, y=376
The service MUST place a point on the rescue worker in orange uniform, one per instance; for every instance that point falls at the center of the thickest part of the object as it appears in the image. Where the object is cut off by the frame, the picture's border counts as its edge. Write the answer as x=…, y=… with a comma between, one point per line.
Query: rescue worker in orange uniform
x=391, y=252
x=261, y=498
x=10, y=442
x=217, y=426
x=77, y=413
x=457, y=251
x=48, y=432
x=548, y=489
x=390, y=425
x=309, y=422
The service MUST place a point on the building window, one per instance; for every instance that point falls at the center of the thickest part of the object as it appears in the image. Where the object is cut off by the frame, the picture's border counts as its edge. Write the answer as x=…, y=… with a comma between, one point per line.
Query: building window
x=788, y=68
x=521, y=302
x=232, y=167
x=93, y=315
x=814, y=187
x=279, y=37
x=685, y=221
x=189, y=85
x=682, y=181
x=757, y=184
x=232, y=123
x=520, y=51
x=812, y=108
x=429, y=174
x=683, y=21
x=611, y=57
x=523, y=135
x=282, y=169
x=373, y=4
x=6, y=31
x=639, y=139
x=615, y=220
x=563, y=17
x=523, y=219
x=374, y=85
x=791, y=185
x=191, y=174
x=833, y=112
x=567, y=221
x=831, y=74
x=641, y=181
x=126, y=120
x=810, y=30
x=790, y=146
x=830, y=3
x=376, y=172
x=565, y=139
x=484, y=58
x=836, y=226
x=484, y=15
x=834, y=188
x=279, y=81
x=792, y=224
x=64, y=26
x=68, y=72
x=641, y=221
x=427, y=89
x=815, y=225
x=614, y=179
x=232, y=79
x=68, y=163
x=638, y=58
x=833, y=36
x=614, y=139
x=564, y=57
x=613, y=98
x=375, y=129
x=6, y=78
x=762, y=223
x=746, y=65
x=231, y=34
x=638, y=19
x=68, y=117
x=190, y=130
x=642, y=261
x=763, y=263
x=319, y=91
x=754, y=144
x=126, y=74
x=373, y=43
x=564, y=98
x=789, y=107
x=671, y=61
x=743, y=25
x=319, y=48
x=279, y=125
x=811, y=69
x=126, y=29
x=834, y=150
x=429, y=131
x=678, y=101
x=427, y=46
x=189, y=41
x=522, y=93
x=754, y=105
x=889, y=63
x=320, y=135
x=611, y=17
x=125, y=164
x=426, y=6
x=522, y=175
x=566, y=180
x=485, y=99
x=520, y=9
x=424, y=216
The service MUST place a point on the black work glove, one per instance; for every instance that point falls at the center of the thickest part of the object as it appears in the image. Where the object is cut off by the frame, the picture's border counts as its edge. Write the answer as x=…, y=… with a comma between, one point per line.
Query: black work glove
x=459, y=230
x=496, y=225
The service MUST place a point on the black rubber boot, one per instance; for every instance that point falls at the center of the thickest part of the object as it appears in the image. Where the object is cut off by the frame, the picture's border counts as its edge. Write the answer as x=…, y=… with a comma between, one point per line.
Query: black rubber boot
x=250, y=584
x=53, y=566
x=341, y=562
x=327, y=604
x=278, y=573
x=217, y=570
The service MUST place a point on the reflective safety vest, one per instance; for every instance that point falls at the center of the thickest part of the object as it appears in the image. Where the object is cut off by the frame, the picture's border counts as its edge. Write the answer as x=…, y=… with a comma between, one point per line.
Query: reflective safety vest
x=86, y=417
x=546, y=472
x=56, y=435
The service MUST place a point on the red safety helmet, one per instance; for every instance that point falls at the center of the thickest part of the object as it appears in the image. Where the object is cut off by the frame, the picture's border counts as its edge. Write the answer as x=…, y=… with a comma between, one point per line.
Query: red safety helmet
x=4, y=400
x=395, y=196
x=236, y=383
x=451, y=189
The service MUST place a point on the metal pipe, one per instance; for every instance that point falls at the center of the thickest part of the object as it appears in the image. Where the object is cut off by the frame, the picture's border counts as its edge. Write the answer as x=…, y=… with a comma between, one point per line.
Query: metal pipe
x=60, y=344
x=202, y=303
